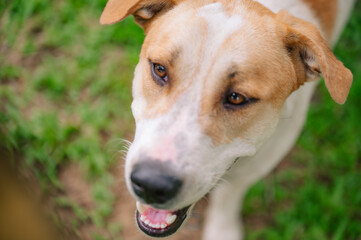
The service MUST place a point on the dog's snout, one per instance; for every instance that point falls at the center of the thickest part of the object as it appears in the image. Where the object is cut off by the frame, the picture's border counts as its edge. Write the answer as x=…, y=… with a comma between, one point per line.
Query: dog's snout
x=155, y=182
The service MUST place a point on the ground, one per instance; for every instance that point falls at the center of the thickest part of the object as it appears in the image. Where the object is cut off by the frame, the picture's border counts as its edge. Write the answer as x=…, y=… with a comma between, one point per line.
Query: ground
x=65, y=94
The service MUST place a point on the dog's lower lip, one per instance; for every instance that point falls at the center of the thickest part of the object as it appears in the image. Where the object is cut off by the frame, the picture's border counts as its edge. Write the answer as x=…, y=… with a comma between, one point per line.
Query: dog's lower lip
x=165, y=230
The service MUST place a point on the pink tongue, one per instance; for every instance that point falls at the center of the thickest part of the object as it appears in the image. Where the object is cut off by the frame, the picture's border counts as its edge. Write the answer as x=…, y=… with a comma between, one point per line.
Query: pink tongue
x=156, y=215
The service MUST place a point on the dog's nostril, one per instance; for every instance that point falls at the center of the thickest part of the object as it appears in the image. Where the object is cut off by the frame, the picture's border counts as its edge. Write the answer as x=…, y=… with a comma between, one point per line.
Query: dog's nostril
x=138, y=189
x=154, y=183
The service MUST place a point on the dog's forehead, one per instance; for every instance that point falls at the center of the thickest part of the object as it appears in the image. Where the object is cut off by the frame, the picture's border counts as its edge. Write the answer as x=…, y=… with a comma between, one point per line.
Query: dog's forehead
x=215, y=31
x=186, y=26
x=218, y=21
x=220, y=27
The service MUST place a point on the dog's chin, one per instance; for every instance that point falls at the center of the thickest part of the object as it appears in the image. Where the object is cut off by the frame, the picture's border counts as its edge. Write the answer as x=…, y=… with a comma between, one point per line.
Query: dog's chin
x=159, y=223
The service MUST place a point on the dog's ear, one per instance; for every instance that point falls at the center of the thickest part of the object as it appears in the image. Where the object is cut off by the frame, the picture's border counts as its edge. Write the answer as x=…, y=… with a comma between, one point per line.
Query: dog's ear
x=143, y=10
x=312, y=57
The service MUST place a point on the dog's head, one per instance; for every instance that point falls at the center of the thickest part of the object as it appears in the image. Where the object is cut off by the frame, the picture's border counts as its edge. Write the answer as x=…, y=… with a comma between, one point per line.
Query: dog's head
x=211, y=81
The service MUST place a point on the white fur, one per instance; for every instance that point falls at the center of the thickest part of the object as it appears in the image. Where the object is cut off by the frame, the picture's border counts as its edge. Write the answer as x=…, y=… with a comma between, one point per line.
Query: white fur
x=298, y=8
x=344, y=8
x=220, y=27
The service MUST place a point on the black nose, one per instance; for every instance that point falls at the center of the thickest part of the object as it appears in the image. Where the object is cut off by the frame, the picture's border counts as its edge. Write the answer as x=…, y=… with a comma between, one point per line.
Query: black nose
x=155, y=182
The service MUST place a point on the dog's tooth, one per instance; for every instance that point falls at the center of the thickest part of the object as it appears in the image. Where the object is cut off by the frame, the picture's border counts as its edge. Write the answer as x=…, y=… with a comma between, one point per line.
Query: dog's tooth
x=157, y=225
x=170, y=218
x=142, y=218
x=163, y=226
x=151, y=225
x=140, y=207
x=147, y=222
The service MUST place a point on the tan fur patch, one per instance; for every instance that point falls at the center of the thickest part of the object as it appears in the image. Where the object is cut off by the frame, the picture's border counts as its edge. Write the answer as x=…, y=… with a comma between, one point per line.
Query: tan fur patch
x=257, y=79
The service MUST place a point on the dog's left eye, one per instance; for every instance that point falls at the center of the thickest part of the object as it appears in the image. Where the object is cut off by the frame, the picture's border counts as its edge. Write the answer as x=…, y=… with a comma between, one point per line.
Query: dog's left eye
x=160, y=74
x=236, y=100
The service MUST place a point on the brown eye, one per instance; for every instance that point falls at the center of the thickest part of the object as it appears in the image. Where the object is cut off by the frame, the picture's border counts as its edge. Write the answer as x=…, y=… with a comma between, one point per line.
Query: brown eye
x=160, y=74
x=160, y=70
x=236, y=98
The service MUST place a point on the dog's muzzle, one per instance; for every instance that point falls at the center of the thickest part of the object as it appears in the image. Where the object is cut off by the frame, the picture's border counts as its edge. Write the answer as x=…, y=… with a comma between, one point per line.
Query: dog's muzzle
x=156, y=183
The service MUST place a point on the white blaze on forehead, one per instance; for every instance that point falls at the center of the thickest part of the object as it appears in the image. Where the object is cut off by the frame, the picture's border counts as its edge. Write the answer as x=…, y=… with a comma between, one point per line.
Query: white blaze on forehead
x=220, y=26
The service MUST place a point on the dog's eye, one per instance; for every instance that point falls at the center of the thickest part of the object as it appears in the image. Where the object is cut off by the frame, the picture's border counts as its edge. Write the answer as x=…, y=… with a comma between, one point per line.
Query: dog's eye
x=160, y=70
x=160, y=74
x=236, y=100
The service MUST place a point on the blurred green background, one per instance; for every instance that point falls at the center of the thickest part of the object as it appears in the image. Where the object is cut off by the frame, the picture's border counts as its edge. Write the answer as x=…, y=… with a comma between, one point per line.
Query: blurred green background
x=65, y=94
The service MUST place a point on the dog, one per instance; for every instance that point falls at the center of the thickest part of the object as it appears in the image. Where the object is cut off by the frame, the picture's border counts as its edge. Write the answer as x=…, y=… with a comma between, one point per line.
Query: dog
x=221, y=93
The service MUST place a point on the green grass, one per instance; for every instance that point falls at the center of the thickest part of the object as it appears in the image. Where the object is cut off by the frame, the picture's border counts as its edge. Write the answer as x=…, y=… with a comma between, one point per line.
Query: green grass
x=65, y=84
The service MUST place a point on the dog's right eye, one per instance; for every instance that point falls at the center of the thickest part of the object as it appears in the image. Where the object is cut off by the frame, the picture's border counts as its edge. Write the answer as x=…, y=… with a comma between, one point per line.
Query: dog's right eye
x=159, y=73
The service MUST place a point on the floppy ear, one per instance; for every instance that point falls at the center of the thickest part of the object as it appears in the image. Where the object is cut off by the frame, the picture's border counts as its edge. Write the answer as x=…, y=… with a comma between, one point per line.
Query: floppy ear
x=143, y=10
x=312, y=57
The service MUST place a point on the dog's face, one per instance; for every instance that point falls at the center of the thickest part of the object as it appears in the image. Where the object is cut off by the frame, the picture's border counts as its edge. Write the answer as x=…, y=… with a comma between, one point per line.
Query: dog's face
x=210, y=84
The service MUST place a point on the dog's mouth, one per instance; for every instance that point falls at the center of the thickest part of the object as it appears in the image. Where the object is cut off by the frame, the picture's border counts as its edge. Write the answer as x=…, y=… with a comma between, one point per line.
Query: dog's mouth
x=159, y=223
